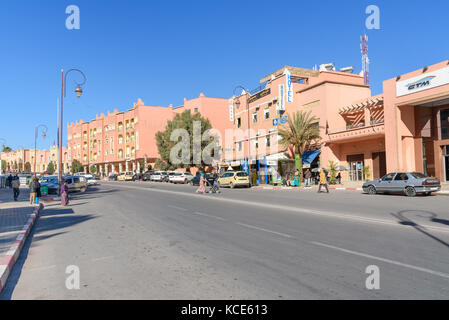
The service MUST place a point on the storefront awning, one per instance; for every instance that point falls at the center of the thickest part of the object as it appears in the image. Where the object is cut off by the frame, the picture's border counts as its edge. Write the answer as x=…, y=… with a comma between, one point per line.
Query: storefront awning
x=309, y=156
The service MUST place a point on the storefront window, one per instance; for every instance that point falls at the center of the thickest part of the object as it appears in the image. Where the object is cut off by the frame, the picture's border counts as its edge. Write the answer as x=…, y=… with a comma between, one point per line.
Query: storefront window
x=444, y=115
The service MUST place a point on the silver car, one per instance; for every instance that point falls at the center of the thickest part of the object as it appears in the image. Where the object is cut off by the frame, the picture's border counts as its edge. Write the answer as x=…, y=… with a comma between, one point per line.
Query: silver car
x=408, y=183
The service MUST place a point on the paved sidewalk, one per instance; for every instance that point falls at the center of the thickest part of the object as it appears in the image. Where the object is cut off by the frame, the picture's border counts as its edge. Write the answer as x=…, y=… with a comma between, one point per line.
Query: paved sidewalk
x=13, y=216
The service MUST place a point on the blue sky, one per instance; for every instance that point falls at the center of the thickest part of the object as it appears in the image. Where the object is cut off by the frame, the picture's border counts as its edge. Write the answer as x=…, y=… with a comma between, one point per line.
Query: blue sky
x=163, y=51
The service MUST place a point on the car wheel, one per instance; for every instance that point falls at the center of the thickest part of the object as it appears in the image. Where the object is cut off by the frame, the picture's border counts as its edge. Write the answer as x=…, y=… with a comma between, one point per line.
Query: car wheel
x=410, y=192
x=83, y=189
x=372, y=190
x=231, y=185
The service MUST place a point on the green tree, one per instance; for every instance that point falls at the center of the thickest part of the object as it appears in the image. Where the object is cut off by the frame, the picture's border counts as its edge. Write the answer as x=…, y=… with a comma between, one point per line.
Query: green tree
x=150, y=167
x=77, y=166
x=333, y=172
x=15, y=165
x=6, y=149
x=185, y=121
x=367, y=173
x=161, y=165
x=4, y=165
x=51, y=168
x=299, y=133
x=93, y=169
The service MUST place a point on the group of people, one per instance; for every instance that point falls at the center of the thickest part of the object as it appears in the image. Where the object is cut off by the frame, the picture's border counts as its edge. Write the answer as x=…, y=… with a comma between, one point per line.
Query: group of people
x=14, y=183
x=321, y=179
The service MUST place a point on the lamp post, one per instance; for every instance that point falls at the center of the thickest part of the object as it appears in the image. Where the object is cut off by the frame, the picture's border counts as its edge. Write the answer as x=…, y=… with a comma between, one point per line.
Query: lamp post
x=78, y=93
x=36, y=131
x=237, y=103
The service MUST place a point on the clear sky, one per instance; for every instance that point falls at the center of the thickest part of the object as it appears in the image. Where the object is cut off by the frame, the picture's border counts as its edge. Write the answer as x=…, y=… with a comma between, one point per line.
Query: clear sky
x=163, y=51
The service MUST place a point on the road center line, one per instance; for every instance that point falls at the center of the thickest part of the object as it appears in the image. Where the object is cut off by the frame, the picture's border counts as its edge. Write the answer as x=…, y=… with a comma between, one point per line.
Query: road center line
x=208, y=215
x=409, y=266
x=294, y=209
x=262, y=229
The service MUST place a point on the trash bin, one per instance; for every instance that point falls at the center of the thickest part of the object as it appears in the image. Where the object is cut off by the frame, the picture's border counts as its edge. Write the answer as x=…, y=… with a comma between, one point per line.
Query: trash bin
x=44, y=190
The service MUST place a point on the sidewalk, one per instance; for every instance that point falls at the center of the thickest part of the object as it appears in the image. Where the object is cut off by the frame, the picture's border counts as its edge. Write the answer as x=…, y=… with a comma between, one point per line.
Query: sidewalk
x=14, y=217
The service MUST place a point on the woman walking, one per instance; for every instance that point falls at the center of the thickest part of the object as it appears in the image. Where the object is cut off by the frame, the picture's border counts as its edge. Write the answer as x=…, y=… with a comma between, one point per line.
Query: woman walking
x=323, y=181
x=64, y=194
x=202, y=187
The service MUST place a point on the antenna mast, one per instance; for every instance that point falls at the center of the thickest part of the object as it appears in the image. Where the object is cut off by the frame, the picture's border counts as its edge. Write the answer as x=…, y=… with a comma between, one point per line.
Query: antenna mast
x=365, y=59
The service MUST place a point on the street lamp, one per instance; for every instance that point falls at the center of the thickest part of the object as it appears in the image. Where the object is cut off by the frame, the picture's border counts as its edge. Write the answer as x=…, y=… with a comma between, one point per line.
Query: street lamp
x=237, y=104
x=78, y=92
x=44, y=134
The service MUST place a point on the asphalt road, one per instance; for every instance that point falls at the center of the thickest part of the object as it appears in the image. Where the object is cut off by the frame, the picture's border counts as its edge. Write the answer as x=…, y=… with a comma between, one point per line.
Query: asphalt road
x=135, y=240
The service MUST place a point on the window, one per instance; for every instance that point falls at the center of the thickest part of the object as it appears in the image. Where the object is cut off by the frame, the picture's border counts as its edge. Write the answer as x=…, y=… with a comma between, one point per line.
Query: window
x=266, y=113
x=256, y=144
x=195, y=110
x=239, y=146
x=444, y=118
x=242, y=174
x=255, y=117
x=120, y=126
x=401, y=177
x=268, y=141
x=388, y=177
x=120, y=139
x=239, y=122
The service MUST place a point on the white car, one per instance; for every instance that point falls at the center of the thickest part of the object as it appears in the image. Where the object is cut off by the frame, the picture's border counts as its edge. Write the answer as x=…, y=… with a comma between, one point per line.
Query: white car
x=156, y=176
x=180, y=177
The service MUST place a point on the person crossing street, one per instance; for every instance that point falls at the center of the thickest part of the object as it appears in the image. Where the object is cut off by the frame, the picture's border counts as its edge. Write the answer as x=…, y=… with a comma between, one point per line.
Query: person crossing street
x=16, y=187
x=323, y=181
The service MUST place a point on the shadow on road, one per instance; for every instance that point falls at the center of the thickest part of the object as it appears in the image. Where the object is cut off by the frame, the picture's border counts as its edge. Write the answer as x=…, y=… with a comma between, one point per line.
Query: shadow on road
x=50, y=219
x=400, y=215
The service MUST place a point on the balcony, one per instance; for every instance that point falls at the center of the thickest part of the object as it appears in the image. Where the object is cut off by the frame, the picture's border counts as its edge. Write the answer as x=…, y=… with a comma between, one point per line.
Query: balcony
x=376, y=128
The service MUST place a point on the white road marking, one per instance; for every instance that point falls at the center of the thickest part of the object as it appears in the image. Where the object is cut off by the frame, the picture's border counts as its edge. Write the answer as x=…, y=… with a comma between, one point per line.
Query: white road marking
x=102, y=258
x=436, y=273
x=178, y=208
x=41, y=268
x=208, y=215
x=262, y=229
x=294, y=209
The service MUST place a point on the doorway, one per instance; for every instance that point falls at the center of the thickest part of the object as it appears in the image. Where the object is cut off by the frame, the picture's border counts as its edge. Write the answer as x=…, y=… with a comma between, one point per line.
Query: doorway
x=446, y=168
x=356, y=163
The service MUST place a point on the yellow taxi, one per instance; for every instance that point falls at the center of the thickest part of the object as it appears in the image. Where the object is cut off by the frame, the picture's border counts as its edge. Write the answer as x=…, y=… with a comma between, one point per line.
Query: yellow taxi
x=125, y=176
x=234, y=178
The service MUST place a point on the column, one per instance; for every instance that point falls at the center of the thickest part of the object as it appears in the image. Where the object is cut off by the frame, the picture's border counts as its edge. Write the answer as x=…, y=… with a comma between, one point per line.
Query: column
x=126, y=166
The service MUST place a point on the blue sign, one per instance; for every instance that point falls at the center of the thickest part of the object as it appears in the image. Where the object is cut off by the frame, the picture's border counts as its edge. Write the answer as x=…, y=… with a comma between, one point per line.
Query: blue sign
x=279, y=121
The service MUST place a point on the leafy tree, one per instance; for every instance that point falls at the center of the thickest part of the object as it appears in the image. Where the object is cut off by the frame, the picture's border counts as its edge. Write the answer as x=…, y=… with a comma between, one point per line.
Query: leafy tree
x=4, y=165
x=299, y=133
x=93, y=169
x=150, y=167
x=27, y=167
x=367, y=173
x=6, y=149
x=333, y=172
x=51, y=168
x=161, y=165
x=77, y=166
x=15, y=165
x=185, y=121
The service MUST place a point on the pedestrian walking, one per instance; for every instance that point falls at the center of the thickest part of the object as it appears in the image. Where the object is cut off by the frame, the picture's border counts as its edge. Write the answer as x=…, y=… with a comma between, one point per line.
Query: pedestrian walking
x=308, y=177
x=254, y=177
x=323, y=181
x=64, y=194
x=9, y=179
x=34, y=186
x=16, y=187
x=202, y=187
x=339, y=177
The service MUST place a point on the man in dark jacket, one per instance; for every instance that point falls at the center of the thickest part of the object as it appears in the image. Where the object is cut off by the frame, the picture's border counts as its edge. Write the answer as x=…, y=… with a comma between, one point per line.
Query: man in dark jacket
x=34, y=189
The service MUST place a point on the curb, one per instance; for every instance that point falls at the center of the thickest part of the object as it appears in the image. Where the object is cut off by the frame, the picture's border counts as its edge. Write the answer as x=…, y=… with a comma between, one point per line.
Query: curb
x=9, y=259
x=301, y=188
x=50, y=199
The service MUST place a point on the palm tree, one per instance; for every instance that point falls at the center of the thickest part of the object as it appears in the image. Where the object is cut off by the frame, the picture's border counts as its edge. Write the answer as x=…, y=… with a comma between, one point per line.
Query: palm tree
x=299, y=133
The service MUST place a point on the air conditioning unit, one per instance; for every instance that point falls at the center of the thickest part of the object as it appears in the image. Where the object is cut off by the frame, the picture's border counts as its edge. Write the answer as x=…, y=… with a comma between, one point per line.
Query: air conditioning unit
x=327, y=67
x=347, y=69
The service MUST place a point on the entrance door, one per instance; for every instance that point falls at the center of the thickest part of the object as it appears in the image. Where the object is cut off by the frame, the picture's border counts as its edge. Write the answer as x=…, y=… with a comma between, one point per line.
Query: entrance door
x=355, y=163
x=446, y=167
x=379, y=165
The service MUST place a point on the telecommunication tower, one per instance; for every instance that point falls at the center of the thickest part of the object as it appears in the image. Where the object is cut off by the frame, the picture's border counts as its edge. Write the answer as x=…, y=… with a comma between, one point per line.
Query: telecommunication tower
x=365, y=59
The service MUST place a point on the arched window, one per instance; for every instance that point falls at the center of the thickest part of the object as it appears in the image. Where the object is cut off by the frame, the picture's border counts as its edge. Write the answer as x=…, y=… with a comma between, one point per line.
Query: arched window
x=120, y=139
x=120, y=153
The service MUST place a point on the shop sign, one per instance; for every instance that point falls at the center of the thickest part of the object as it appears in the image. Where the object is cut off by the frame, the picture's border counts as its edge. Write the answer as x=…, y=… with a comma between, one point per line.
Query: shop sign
x=281, y=103
x=259, y=95
x=420, y=83
x=231, y=111
x=288, y=79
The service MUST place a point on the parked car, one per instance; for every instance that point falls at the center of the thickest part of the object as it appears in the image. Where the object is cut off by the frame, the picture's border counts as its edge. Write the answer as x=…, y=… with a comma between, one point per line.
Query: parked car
x=196, y=179
x=157, y=176
x=181, y=177
x=234, y=178
x=165, y=176
x=147, y=176
x=92, y=180
x=125, y=176
x=50, y=184
x=76, y=183
x=113, y=177
x=408, y=183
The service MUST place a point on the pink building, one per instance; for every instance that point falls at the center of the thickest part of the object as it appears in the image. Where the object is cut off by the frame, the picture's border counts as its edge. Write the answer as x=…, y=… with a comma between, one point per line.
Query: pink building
x=125, y=141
